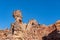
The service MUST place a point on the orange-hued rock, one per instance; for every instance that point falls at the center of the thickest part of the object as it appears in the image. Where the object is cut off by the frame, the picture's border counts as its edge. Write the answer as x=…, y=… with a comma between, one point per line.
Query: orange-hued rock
x=31, y=31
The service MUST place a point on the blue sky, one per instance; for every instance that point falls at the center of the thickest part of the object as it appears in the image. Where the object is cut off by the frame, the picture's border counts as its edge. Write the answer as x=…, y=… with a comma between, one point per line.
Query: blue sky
x=44, y=11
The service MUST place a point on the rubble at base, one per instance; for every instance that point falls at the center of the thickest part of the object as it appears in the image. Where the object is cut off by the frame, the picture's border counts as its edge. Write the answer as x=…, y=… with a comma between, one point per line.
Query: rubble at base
x=31, y=31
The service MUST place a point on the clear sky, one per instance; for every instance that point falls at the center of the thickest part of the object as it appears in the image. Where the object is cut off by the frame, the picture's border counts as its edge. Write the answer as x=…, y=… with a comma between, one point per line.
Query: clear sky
x=44, y=11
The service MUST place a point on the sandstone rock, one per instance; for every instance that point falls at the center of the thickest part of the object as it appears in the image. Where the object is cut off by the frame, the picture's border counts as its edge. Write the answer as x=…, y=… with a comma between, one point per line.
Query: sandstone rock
x=31, y=31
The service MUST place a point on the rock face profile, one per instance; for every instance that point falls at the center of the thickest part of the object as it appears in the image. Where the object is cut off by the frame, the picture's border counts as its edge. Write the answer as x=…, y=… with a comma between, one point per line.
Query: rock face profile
x=30, y=31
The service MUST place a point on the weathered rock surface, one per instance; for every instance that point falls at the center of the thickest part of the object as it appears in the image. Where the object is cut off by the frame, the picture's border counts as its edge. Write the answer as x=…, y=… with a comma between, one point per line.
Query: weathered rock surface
x=31, y=31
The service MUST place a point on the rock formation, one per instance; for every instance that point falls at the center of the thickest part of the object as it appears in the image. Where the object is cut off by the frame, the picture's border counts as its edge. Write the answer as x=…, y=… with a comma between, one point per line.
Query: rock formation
x=31, y=31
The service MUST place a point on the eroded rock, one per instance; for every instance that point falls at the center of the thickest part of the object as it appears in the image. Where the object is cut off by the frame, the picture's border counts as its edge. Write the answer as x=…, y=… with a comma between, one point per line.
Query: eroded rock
x=31, y=31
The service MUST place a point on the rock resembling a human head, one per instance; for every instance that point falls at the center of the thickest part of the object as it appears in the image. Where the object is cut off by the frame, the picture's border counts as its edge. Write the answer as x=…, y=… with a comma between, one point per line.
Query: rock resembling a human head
x=17, y=15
